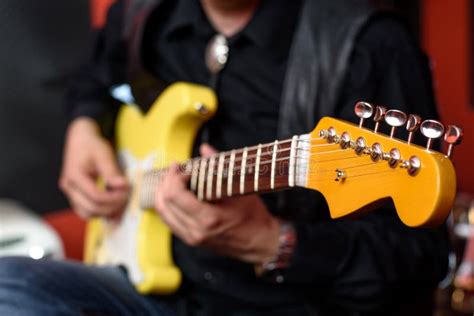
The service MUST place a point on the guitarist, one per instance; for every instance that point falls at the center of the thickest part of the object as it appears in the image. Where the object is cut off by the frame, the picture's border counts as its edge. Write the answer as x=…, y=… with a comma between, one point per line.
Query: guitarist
x=290, y=62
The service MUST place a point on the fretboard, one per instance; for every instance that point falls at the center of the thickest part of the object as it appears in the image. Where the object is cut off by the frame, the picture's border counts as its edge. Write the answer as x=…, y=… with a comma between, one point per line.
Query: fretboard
x=257, y=169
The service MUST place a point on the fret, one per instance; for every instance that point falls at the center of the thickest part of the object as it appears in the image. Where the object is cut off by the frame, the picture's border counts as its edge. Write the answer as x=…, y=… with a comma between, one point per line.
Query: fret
x=291, y=169
x=202, y=178
x=243, y=165
x=230, y=173
x=257, y=168
x=210, y=173
x=220, y=171
x=302, y=160
x=149, y=183
x=143, y=189
x=274, y=156
x=194, y=175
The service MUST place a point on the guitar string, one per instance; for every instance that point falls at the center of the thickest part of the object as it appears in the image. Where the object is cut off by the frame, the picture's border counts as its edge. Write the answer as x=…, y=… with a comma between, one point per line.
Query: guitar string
x=316, y=178
x=358, y=175
x=160, y=172
x=355, y=177
x=251, y=156
x=267, y=146
x=149, y=199
x=268, y=161
x=190, y=162
x=271, y=146
x=317, y=171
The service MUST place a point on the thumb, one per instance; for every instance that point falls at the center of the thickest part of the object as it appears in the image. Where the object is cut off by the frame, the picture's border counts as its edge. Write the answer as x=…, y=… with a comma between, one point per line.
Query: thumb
x=108, y=168
x=207, y=150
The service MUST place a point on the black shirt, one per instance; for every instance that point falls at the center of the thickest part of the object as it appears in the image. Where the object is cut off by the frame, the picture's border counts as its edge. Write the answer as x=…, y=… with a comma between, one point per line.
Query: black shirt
x=250, y=84
x=337, y=265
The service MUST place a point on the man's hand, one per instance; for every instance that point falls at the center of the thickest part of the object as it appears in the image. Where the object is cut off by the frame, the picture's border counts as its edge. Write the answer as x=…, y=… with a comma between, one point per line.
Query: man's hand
x=88, y=156
x=240, y=227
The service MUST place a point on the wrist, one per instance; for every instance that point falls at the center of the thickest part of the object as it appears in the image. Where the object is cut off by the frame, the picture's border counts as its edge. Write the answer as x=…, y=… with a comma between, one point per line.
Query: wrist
x=84, y=124
x=287, y=239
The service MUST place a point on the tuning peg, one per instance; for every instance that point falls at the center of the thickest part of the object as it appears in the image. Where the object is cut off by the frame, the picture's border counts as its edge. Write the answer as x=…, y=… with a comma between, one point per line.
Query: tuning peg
x=431, y=129
x=453, y=137
x=379, y=115
x=395, y=118
x=413, y=124
x=363, y=110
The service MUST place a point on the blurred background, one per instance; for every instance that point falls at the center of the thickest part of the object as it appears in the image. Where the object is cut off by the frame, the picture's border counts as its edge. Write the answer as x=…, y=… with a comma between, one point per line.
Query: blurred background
x=43, y=42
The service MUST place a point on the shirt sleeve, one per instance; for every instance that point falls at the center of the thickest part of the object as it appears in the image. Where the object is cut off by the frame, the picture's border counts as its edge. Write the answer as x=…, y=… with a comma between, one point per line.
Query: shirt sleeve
x=363, y=263
x=89, y=92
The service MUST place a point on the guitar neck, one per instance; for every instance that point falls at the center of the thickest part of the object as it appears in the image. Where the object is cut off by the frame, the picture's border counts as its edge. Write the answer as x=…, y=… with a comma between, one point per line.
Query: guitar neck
x=257, y=169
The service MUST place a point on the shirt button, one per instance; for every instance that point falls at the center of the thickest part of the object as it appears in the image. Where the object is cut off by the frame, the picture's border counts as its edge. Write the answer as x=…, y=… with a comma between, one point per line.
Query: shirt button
x=208, y=276
x=280, y=278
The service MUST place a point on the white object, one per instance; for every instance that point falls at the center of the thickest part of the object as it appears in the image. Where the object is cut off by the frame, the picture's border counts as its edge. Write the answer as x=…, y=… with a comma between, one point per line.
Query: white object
x=23, y=233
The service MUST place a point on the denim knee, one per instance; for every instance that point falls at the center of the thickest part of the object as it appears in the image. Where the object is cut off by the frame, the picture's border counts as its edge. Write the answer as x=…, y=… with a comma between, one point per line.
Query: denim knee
x=15, y=267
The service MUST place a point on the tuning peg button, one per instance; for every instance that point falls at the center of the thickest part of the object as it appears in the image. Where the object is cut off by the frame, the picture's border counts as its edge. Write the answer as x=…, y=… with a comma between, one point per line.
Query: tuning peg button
x=363, y=110
x=360, y=145
x=395, y=157
x=376, y=152
x=379, y=115
x=395, y=118
x=431, y=129
x=453, y=137
x=345, y=141
x=413, y=123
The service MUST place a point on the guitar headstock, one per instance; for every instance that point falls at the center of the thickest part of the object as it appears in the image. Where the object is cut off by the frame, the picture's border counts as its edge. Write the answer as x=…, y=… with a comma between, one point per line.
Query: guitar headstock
x=356, y=168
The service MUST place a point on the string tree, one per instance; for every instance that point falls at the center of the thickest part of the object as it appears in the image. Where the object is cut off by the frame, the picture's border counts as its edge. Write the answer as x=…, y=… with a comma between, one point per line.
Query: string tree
x=395, y=118
x=413, y=124
x=379, y=115
x=363, y=110
x=431, y=129
x=453, y=137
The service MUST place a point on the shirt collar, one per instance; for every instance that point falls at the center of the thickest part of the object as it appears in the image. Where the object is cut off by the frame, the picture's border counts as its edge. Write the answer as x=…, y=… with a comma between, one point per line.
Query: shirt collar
x=271, y=27
x=188, y=14
x=273, y=24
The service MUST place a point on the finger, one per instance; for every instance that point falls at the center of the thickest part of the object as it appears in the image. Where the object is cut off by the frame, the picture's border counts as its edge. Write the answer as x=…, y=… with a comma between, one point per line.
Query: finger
x=94, y=209
x=117, y=183
x=185, y=200
x=168, y=213
x=81, y=205
x=185, y=227
x=207, y=150
x=106, y=164
x=175, y=198
x=170, y=216
x=88, y=186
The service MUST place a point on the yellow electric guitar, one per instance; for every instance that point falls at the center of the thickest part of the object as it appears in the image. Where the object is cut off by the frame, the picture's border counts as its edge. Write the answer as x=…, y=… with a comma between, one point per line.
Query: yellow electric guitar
x=337, y=158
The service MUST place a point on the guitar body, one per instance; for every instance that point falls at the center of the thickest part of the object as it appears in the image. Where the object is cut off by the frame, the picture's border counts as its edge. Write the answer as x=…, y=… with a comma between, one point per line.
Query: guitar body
x=139, y=240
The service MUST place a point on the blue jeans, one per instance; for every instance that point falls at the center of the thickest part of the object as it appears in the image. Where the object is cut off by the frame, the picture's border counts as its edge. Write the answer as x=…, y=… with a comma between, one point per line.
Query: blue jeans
x=53, y=288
